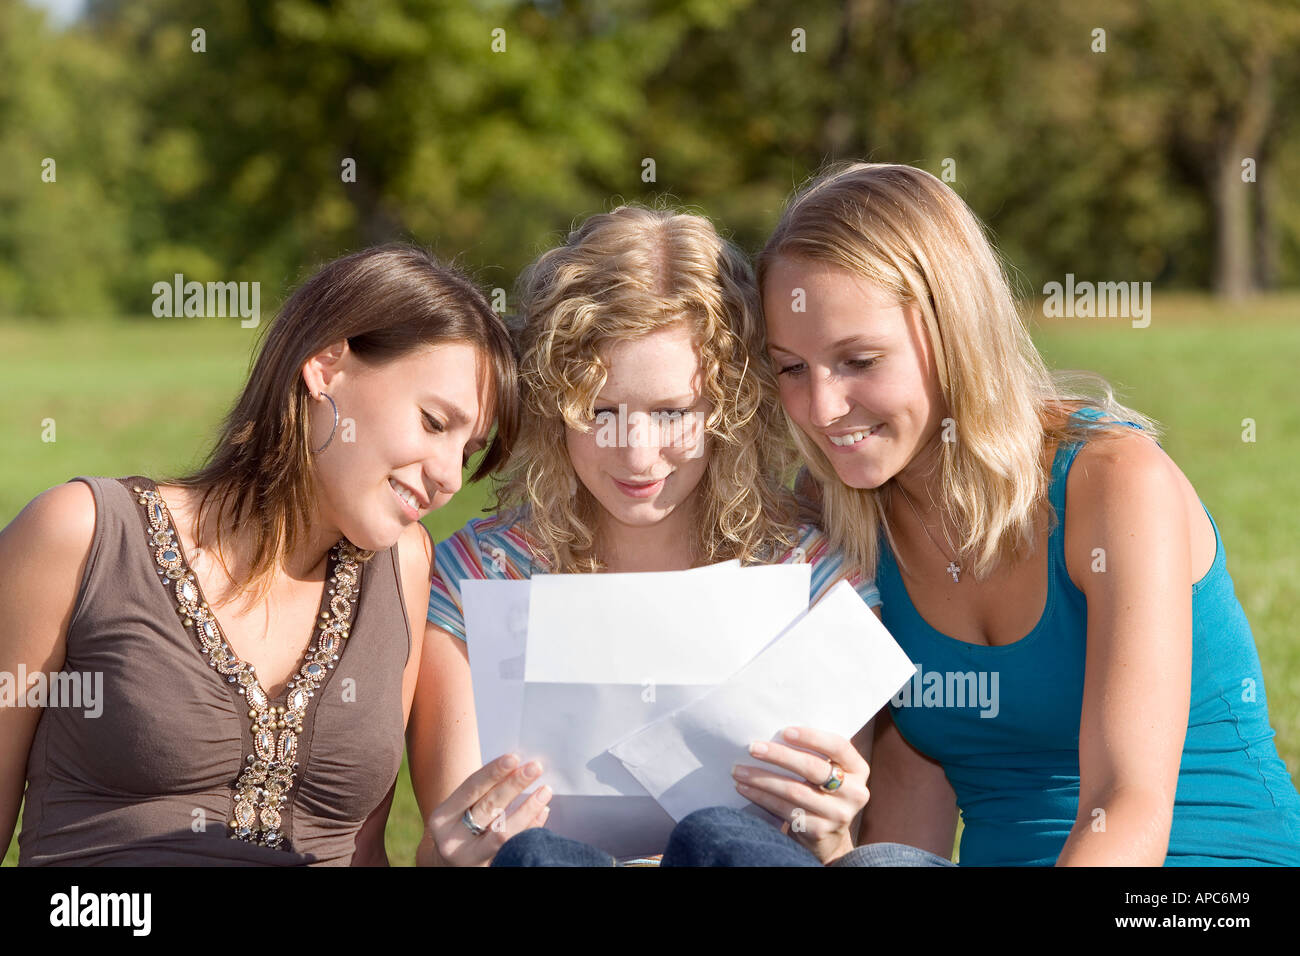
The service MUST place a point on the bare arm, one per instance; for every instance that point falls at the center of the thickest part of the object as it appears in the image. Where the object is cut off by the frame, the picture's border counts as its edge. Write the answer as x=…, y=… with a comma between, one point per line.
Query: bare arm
x=1137, y=681
x=442, y=736
x=442, y=745
x=911, y=799
x=43, y=555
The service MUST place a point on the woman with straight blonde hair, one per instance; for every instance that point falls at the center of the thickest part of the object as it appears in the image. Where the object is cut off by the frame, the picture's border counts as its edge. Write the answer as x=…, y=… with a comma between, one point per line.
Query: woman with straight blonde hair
x=644, y=324
x=1088, y=690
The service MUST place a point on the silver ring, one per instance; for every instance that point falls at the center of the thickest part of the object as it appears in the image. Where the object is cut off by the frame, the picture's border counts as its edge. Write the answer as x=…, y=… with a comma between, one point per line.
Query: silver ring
x=468, y=819
x=333, y=429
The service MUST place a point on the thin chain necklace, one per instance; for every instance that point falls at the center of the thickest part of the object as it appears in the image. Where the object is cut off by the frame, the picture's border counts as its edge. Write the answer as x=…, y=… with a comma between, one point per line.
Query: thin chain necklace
x=953, y=567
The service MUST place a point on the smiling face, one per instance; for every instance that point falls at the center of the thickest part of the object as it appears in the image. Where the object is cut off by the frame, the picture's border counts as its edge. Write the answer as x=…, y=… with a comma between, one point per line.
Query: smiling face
x=855, y=370
x=406, y=429
x=646, y=451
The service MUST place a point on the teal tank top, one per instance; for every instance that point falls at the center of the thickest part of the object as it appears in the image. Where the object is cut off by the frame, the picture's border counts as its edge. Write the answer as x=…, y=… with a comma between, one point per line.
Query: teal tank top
x=1004, y=723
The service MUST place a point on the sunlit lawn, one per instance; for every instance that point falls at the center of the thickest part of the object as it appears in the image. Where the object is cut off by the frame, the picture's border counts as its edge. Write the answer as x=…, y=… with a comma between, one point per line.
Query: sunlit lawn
x=145, y=397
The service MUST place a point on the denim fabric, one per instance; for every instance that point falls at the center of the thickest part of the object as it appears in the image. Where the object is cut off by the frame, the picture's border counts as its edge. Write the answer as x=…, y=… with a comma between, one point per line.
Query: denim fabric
x=716, y=836
x=891, y=854
x=538, y=847
x=721, y=836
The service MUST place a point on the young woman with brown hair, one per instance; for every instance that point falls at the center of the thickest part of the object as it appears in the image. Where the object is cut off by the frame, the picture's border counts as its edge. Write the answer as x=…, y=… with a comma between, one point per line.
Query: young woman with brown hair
x=257, y=624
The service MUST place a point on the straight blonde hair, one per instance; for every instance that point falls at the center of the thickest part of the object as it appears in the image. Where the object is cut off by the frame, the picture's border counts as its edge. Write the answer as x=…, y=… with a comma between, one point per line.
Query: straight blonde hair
x=909, y=234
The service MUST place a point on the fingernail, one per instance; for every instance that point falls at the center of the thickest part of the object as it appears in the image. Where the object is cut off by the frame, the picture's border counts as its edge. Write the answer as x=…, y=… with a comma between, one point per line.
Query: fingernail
x=509, y=762
x=792, y=734
x=758, y=749
x=532, y=769
x=544, y=794
x=741, y=771
x=742, y=788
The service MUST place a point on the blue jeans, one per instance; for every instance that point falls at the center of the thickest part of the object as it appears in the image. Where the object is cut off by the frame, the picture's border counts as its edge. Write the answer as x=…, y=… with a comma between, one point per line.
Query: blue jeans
x=891, y=854
x=716, y=836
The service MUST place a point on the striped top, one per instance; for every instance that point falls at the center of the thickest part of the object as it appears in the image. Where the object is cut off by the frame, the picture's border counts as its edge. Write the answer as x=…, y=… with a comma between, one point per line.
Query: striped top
x=497, y=547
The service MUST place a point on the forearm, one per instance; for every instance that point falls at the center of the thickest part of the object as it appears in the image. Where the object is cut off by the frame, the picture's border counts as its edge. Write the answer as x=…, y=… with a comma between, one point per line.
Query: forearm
x=441, y=735
x=372, y=856
x=929, y=827
x=435, y=774
x=424, y=855
x=1120, y=828
x=911, y=801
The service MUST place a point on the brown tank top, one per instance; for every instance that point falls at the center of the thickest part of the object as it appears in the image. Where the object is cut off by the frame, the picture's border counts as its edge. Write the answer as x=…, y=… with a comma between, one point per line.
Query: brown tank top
x=151, y=780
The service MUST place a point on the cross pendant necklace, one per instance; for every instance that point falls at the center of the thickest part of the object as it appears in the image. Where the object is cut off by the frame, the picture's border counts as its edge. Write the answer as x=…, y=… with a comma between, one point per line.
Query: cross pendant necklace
x=953, y=567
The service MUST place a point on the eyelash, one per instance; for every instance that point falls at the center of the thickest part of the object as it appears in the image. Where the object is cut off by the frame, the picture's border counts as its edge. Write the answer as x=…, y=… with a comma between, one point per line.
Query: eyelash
x=860, y=364
x=438, y=428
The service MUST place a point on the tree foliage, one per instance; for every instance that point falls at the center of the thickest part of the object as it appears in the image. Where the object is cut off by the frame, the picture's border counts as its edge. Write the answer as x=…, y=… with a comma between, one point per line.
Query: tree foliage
x=218, y=139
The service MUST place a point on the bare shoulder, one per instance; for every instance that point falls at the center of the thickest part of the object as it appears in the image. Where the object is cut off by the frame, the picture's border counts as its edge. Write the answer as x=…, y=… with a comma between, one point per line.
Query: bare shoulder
x=415, y=548
x=1117, y=458
x=1126, y=480
x=44, y=552
x=415, y=554
x=58, y=524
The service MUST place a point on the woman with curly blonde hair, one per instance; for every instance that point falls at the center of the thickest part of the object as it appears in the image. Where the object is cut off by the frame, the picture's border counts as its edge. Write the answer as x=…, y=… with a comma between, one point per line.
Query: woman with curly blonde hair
x=651, y=440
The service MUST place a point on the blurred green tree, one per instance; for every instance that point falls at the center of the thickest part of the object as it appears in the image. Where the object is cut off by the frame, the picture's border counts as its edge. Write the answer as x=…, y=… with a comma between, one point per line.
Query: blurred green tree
x=67, y=140
x=243, y=140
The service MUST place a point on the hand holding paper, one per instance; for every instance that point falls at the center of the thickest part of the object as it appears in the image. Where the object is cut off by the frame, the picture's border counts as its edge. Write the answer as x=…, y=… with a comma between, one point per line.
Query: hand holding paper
x=564, y=665
x=639, y=692
x=832, y=669
x=788, y=779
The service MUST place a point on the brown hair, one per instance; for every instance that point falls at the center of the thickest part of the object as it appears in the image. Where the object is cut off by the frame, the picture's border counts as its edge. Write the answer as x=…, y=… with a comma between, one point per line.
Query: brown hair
x=386, y=301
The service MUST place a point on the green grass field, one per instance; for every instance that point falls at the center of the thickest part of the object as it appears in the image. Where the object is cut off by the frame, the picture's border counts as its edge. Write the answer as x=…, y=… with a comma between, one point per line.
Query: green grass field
x=145, y=397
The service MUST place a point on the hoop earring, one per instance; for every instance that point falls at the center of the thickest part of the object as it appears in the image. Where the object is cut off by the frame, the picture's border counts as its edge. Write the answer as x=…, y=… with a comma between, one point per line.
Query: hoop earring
x=333, y=429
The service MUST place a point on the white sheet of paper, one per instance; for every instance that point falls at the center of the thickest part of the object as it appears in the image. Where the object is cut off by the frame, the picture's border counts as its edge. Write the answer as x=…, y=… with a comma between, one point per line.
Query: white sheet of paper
x=610, y=653
x=833, y=669
x=496, y=625
x=672, y=627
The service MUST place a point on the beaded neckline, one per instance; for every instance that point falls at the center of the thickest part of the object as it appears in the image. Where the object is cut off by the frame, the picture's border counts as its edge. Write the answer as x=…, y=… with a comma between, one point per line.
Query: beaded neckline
x=261, y=792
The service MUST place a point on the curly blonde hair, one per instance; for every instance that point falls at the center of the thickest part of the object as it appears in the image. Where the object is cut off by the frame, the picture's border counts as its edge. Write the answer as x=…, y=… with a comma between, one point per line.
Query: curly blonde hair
x=620, y=275
x=906, y=232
